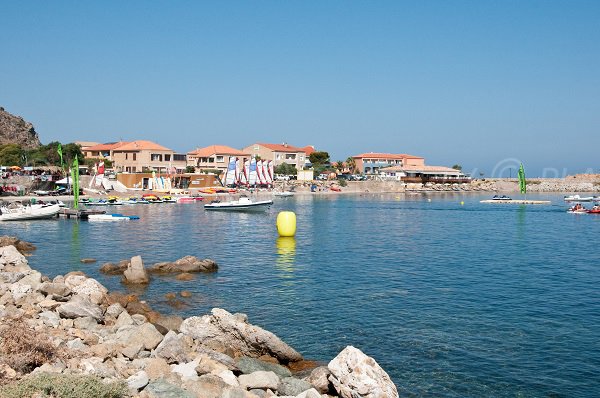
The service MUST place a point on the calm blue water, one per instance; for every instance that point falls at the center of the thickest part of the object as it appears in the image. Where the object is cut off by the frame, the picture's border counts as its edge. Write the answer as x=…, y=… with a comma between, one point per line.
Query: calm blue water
x=452, y=300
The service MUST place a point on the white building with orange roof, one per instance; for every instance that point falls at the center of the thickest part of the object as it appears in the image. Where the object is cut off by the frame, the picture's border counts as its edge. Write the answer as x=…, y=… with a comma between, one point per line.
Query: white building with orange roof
x=372, y=162
x=424, y=174
x=214, y=157
x=280, y=153
x=101, y=151
x=145, y=156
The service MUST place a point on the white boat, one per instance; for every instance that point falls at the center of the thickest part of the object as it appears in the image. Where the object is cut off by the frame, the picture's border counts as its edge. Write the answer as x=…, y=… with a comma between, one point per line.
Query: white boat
x=111, y=217
x=243, y=204
x=17, y=212
x=283, y=194
x=501, y=197
x=577, y=198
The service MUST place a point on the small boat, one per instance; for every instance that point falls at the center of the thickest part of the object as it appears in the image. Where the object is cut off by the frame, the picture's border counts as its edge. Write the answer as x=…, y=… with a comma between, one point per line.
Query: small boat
x=169, y=199
x=243, y=204
x=18, y=212
x=189, y=199
x=578, y=209
x=283, y=194
x=577, y=198
x=501, y=197
x=111, y=217
x=151, y=198
x=594, y=210
x=135, y=201
x=336, y=189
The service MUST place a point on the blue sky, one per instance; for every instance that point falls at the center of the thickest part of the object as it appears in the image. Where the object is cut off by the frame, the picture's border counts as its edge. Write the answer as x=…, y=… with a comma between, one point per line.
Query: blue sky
x=472, y=82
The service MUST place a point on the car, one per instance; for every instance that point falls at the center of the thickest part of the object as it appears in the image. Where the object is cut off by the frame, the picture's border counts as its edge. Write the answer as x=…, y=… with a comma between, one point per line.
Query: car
x=282, y=177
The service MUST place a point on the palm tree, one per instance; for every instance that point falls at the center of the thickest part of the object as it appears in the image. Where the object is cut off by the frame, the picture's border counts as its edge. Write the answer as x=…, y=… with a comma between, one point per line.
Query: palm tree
x=351, y=164
x=339, y=165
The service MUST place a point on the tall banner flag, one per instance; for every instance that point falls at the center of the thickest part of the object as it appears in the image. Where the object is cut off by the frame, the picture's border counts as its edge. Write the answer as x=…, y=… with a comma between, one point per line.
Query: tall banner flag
x=75, y=175
x=522, y=182
x=59, y=150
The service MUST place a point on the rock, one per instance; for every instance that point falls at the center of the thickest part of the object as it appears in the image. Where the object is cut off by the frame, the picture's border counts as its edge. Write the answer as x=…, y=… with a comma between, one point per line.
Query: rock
x=139, y=319
x=260, y=379
x=96, y=366
x=12, y=261
x=135, y=272
x=7, y=372
x=222, y=330
x=173, y=348
x=114, y=310
x=169, y=322
x=207, y=386
x=48, y=304
x=74, y=279
x=138, y=381
x=50, y=318
x=218, y=357
x=76, y=344
x=91, y=288
x=162, y=389
x=292, y=386
x=15, y=130
x=249, y=365
x=124, y=319
x=156, y=368
x=312, y=393
x=104, y=350
x=170, y=296
x=186, y=293
x=20, y=245
x=229, y=378
x=319, y=379
x=209, y=365
x=88, y=260
x=186, y=370
x=80, y=306
x=356, y=375
x=86, y=322
x=186, y=264
x=55, y=289
x=132, y=350
x=114, y=269
x=186, y=276
x=18, y=291
x=10, y=277
x=145, y=334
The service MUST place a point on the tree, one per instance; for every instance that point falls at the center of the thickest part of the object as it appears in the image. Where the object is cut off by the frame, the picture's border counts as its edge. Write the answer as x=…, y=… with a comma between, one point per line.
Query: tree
x=351, y=163
x=319, y=158
x=286, y=169
x=11, y=155
x=339, y=165
x=457, y=167
x=190, y=169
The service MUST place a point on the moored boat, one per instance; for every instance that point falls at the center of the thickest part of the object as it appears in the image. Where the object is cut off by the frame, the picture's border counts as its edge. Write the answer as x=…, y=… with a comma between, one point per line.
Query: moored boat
x=283, y=194
x=111, y=217
x=19, y=212
x=577, y=198
x=243, y=204
x=578, y=209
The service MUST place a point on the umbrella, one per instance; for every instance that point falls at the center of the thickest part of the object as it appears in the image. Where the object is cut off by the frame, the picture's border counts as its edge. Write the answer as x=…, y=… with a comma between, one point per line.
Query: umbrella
x=15, y=168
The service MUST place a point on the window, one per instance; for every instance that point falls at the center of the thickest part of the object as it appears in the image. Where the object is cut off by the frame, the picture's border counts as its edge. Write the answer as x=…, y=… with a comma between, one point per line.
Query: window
x=290, y=156
x=301, y=157
x=177, y=157
x=156, y=157
x=125, y=156
x=277, y=156
x=167, y=158
x=220, y=159
x=211, y=160
x=135, y=156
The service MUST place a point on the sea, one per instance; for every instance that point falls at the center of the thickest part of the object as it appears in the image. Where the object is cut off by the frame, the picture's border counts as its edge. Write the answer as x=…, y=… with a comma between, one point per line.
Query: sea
x=452, y=297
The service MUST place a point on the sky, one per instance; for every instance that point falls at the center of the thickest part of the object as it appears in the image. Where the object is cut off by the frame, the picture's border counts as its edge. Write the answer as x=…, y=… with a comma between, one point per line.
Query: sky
x=484, y=84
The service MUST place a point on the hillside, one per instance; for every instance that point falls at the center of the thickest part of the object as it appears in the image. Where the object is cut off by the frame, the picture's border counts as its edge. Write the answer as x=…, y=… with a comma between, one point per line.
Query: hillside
x=15, y=130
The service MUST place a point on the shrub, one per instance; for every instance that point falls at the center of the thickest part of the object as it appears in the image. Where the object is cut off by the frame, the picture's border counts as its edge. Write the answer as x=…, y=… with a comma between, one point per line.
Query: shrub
x=63, y=386
x=342, y=182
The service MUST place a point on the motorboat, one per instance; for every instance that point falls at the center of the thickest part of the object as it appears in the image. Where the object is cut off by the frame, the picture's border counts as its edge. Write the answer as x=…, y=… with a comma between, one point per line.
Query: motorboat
x=18, y=212
x=135, y=201
x=501, y=197
x=283, y=194
x=577, y=198
x=169, y=199
x=594, y=210
x=189, y=199
x=111, y=217
x=578, y=209
x=243, y=204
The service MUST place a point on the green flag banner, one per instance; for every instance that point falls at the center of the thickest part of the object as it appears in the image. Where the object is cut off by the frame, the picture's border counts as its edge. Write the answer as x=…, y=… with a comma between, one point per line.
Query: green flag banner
x=75, y=175
x=522, y=182
x=59, y=150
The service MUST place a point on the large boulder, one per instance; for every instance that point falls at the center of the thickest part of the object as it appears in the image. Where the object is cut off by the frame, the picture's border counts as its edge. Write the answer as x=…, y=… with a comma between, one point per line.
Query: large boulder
x=146, y=335
x=163, y=389
x=20, y=245
x=173, y=348
x=135, y=272
x=12, y=261
x=356, y=375
x=55, y=289
x=259, y=379
x=186, y=264
x=115, y=269
x=249, y=365
x=222, y=330
x=80, y=306
x=92, y=289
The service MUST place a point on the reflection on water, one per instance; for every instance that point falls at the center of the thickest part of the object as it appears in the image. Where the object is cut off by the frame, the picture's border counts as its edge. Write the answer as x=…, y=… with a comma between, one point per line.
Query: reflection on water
x=286, y=256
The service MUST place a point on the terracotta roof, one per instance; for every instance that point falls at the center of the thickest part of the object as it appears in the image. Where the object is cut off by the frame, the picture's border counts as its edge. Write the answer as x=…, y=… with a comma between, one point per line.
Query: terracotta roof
x=141, y=145
x=377, y=155
x=282, y=147
x=309, y=149
x=106, y=146
x=217, y=149
x=85, y=144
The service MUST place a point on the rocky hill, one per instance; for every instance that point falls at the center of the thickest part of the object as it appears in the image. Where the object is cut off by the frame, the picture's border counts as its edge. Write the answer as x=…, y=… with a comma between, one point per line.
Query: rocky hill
x=15, y=130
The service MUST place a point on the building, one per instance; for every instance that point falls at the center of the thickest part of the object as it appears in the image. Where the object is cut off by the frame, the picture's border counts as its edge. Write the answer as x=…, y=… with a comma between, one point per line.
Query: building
x=279, y=153
x=424, y=174
x=371, y=163
x=145, y=156
x=101, y=151
x=214, y=157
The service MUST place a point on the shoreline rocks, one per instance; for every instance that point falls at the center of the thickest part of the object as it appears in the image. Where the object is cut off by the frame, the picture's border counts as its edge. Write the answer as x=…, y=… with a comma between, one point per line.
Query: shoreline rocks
x=116, y=337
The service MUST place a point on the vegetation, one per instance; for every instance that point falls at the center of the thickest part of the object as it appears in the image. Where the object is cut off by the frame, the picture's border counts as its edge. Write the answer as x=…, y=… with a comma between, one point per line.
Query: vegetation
x=457, y=167
x=342, y=182
x=285, y=169
x=351, y=164
x=339, y=165
x=63, y=386
x=319, y=158
x=190, y=169
x=212, y=171
x=45, y=155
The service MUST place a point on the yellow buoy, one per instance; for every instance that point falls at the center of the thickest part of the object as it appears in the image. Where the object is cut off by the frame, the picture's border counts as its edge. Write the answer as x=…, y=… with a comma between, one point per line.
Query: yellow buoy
x=286, y=223
x=462, y=203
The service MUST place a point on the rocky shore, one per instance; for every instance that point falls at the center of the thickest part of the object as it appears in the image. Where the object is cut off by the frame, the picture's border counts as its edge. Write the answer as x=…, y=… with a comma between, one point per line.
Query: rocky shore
x=69, y=337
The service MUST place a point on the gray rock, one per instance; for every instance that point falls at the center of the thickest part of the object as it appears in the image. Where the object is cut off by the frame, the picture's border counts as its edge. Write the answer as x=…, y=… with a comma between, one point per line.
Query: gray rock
x=229, y=378
x=218, y=357
x=162, y=389
x=76, y=344
x=135, y=272
x=124, y=319
x=222, y=330
x=139, y=319
x=15, y=130
x=145, y=334
x=356, y=375
x=187, y=370
x=96, y=366
x=138, y=381
x=86, y=323
x=55, y=289
x=234, y=392
x=18, y=291
x=11, y=260
x=173, y=348
x=92, y=289
x=50, y=318
x=132, y=350
x=186, y=264
x=114, y=310
x=74, y=279
x=312, y=393
x=80, y=306
x=10, y=277
x=319, y=379
x=32, y=278
x=292, y=386
x=169, y=322
x=249, y=365
x=260, y=379
x=206, y=386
